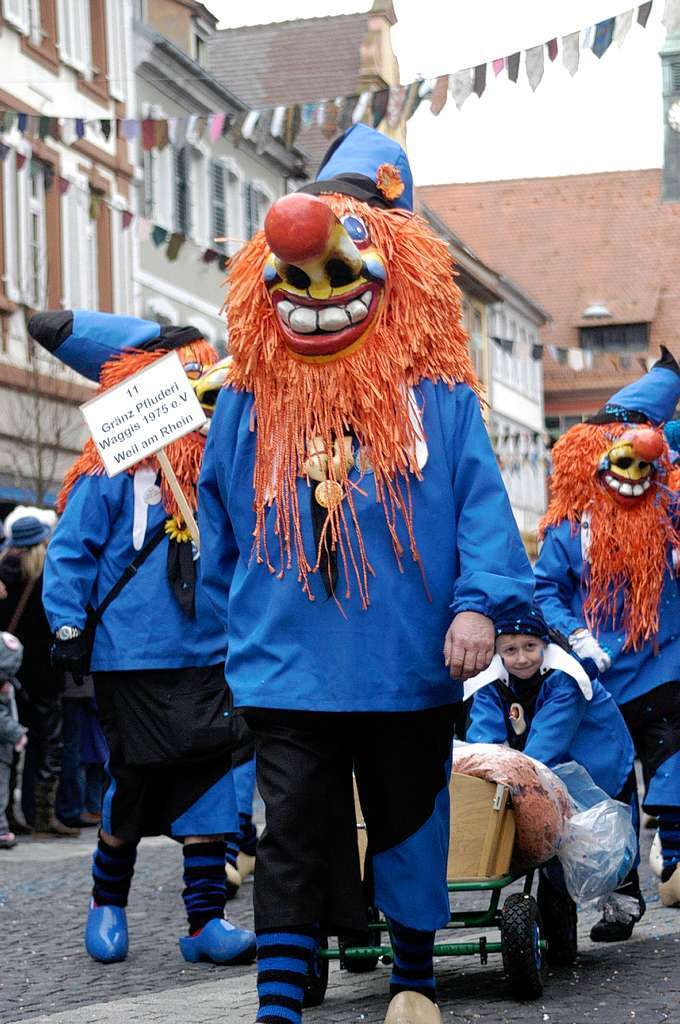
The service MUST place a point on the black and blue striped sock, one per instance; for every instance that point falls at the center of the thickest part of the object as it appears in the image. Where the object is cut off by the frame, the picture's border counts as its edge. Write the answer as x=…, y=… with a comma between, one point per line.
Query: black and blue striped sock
x=231, y=849
x=669, y=834
x=283, y=959
x=112, y=870
x=205, y=885
x=413, y=967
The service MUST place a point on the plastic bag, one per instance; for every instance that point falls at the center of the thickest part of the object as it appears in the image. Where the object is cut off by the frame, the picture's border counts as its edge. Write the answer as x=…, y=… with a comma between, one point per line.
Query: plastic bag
x=600, y=843
x=598, y=849
x=540, y=800
x=583, y=792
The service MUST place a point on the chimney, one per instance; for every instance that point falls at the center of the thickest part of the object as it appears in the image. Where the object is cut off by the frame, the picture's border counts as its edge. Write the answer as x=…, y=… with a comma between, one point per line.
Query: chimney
x=670, y=62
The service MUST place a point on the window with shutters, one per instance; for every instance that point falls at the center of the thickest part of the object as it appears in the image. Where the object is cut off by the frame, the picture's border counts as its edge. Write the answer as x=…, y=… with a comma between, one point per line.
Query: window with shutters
x=256, y=203
x=218, y=226
x=675, y=76
x=182, y=160
x=75, y=36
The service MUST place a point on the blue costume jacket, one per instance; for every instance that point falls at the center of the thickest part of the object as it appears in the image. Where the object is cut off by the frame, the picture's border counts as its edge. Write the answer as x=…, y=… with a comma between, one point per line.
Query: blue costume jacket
x=144, y=627
x=564, y=726
x=559, y=593
x=286, y=651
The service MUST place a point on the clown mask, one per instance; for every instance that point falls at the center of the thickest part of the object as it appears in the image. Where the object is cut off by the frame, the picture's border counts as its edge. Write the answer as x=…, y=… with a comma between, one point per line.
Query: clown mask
x=324, y=276
x=627, y=469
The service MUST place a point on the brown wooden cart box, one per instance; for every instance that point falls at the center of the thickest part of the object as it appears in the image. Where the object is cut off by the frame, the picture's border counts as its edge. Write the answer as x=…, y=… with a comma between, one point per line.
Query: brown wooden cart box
x=482, y=829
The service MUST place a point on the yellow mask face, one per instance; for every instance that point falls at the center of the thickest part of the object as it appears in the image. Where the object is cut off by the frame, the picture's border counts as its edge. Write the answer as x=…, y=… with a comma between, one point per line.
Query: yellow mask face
x=627, y=468
x=324, y=276
x=208, y=386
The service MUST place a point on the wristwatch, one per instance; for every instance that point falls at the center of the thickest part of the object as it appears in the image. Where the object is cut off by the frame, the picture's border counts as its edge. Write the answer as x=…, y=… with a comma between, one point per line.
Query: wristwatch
x=67, y=633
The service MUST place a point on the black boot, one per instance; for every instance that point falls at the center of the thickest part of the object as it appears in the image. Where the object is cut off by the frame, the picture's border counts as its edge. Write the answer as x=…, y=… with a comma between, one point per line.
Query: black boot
x=617, y=921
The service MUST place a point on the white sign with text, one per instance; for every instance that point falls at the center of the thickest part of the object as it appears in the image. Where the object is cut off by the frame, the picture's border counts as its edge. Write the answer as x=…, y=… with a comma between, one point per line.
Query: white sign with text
x=145, y=413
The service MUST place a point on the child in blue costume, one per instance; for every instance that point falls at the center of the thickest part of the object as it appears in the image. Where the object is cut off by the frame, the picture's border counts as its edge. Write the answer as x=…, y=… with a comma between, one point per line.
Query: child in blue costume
x=606, y=578
x=158, y=653
x=539, y=699
x=350, y=509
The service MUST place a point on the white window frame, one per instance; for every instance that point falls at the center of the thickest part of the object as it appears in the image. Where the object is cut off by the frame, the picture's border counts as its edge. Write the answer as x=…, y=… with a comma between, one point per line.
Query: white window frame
x=18, y=208
x=80, y=248
x=11, y=229
x=33, y=292
x=234, y=203
x=75, y=35
x=200, y=186
x=121, y=258
x=258, y=188
x=150, y=168
x=116, y=47
x=18, y=14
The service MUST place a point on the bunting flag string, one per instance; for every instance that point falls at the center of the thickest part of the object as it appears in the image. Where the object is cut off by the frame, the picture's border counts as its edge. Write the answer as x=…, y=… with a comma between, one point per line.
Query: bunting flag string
x=576, y=359
x=394, y=105
x=147, y=230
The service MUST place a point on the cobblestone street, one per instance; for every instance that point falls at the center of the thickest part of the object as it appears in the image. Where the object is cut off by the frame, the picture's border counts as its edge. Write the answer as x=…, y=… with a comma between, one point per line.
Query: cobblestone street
x=46, y=977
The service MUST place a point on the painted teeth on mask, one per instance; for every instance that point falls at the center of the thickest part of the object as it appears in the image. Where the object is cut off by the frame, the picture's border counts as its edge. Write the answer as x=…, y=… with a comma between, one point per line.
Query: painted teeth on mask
x=303, y=320
x=356, y=310
x=284, y=309
x=625, y=489
x=306, y=320
x=613, y=482
x=333, y=318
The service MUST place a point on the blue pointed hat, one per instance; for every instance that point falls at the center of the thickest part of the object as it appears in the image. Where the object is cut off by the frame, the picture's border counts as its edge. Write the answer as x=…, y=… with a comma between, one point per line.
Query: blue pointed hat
x=85, y=340
x=651, y=399
x=351, y=167
x=672, y=432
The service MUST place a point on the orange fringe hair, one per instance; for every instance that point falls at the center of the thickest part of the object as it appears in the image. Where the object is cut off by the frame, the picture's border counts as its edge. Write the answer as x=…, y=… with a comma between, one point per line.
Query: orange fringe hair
x=628, y=547
x=416, y=335
x=185, y=455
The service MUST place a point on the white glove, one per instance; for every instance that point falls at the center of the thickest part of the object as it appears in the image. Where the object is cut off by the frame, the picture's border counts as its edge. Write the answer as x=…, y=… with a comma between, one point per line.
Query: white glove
x=584, y=644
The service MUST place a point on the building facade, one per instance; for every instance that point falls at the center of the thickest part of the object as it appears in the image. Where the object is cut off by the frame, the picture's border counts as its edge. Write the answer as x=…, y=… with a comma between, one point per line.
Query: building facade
x=210, y=194
x=65, y=185
x=92, y=217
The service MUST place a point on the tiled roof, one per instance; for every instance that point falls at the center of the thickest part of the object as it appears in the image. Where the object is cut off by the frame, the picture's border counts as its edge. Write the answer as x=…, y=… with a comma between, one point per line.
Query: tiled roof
x=573, y=241
x=288, y=62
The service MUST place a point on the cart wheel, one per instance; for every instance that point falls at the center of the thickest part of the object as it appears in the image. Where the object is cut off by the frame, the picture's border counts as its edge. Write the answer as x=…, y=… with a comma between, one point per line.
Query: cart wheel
x=520, y=935
x=317, y=979
x=559, y=921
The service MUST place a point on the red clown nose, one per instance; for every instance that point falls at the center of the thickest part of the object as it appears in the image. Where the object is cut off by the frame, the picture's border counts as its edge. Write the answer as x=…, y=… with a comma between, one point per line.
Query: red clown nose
x=647, y=444
x=298, y=228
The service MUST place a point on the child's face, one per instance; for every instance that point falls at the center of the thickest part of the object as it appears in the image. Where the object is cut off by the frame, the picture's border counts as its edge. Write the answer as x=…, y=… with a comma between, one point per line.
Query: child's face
x=521, y=654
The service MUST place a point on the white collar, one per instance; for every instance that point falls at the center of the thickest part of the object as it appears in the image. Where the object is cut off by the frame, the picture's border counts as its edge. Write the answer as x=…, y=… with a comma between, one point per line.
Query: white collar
x=554, y=657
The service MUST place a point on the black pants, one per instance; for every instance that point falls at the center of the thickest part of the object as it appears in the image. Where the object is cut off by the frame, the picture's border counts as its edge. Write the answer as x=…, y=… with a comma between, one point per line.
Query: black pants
x=654, y=723
x=307, y=869
x=40, y=711
x=170, y=737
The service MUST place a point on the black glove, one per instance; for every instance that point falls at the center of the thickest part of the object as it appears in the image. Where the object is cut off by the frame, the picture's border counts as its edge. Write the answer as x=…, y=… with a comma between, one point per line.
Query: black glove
x=71, y=655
